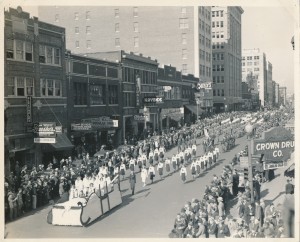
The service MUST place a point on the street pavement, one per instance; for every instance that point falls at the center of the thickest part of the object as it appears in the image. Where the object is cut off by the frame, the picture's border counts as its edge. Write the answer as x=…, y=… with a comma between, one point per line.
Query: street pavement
x=150, y=213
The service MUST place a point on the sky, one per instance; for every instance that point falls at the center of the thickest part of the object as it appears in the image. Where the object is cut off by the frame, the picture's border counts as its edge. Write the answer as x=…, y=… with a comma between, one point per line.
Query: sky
x=268, y=28
x=271, y=29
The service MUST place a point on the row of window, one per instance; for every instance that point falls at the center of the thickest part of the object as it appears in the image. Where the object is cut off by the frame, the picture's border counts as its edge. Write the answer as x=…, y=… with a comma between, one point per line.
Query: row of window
x=135, y=12
x=87, y=30
x=255, y=63
x=186, y=93
x=218, y=68
x=218, y=79
x=205, y=12
x=205, y=71
x=218, y=24
x=250, y=58
x=218, y=56
x=218, y=45
x=24, y=86
x=218, y=34
x=183, y=23
x=217, y=13
x=218, y=92
x=205, y=56
x=135, y=27
x=174, y=93
x=23, y=50
x=96, y=94
x=205, y=27
x=147, y=77
x=249, y=69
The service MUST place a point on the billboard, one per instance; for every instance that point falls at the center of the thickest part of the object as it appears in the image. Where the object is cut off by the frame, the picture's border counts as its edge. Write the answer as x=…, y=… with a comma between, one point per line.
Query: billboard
x=45, y=129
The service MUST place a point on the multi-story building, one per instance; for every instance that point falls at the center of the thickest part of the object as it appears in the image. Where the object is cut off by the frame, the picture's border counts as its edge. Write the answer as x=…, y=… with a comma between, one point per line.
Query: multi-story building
x=226, y=56
x=94, y=102
x=138, y=88
x=35, y=90
x=169, y=36
x=282, y=96
x=169, y=84
x=269, y=84
x=276, y=94
x=254, y=72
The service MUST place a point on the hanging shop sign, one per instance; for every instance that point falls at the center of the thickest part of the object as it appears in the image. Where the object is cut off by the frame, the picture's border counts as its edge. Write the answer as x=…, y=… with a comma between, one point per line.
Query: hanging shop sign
x=276, y=144
x=139, y=117
x=205, y=85
x=45, y=129
x=29, y=109
x=153, y=100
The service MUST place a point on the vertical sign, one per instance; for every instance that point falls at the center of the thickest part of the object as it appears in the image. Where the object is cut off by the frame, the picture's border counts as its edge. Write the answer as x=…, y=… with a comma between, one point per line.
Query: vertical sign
x=138, y=89
x=29, y=109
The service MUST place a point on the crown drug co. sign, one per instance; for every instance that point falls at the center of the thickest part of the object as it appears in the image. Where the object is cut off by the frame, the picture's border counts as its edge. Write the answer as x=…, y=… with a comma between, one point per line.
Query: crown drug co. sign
x=277, y=145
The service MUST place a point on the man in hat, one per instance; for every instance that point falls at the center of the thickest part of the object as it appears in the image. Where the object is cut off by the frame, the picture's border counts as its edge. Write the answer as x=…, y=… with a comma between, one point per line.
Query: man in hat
x=221, y=207
x=212, y=228
x=188, y=232
x=258, y=214
x=179, y=225
x=12, y=203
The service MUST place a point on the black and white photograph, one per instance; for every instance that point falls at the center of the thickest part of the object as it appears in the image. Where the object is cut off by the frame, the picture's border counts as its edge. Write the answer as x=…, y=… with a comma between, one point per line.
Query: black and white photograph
x=150, y=120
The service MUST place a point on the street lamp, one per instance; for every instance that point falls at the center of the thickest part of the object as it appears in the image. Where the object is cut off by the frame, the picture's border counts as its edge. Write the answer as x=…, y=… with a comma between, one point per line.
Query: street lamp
x=249, y=131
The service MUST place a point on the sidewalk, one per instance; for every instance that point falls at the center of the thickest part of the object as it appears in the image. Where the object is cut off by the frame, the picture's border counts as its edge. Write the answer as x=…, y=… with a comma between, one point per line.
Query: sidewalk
x=271, y=192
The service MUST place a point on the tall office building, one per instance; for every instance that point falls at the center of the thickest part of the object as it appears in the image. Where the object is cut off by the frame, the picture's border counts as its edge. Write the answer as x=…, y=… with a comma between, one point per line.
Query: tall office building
x=269, y=84
x=176, y=36
x=227, y=55
x=254, y=72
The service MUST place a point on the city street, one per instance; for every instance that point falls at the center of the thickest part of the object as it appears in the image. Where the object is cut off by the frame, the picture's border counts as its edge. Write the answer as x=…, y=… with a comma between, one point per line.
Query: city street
x=149, y=213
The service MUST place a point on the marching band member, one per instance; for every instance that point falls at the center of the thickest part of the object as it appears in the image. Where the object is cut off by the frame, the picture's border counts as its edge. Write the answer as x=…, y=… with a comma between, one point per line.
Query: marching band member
x=151, y=172
x=144, y=175
x=174, y=162
x=167, y=163
x=122, y=170
x=131, y=164
x=160, y=167
x=183, y=173
x=198, y=166
x=193, y=169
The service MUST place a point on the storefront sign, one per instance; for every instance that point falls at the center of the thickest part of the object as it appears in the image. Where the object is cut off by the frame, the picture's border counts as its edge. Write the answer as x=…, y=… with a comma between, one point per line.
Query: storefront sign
x=168, y=111
x=45, y=140
x=46, y=129
x=153, y=99
x=139, y=118
x=58, y=129
x=244, y=161
x=29, y=109
x=101, y=122
x=167, y=88
x=206, y=85
x=276, y=145
x=81, y=126
x=269, y=166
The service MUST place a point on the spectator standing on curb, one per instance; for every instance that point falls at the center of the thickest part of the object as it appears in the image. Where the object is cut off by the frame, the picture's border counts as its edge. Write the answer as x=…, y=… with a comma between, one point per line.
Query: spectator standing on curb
x=132, y=181
x=289, y=188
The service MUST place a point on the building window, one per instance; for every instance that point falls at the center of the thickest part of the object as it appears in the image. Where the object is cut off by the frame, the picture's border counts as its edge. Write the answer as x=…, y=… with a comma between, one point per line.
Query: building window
x=20, y=86
x=222, y=67
x=184, y=68
x=97, y=94
x=117, y=13
x=88, y=30
x=243, y=64
x=222, y=56
x=183, y=38
x=256, y=69
x=222, y=79
x=136, y=27
x=80, y=93
x=56, y=17
x=213, y=24
x=19, y=50
x=256, y=57
x=214, y=68
x=77, y=44
x=117, y=27
x=256, y=63
x=135, y=12
x=214, y=92
x=218, y=92
x=213, y=13
x=89, y=44
x=222, y=92
x=49, y=55
x=222, y=24
x=76, y=16
x=117, y=42
x=184, y=54
x=221, y=13
x=249, y=57
x=51, y=88
x=183, y=10
x=136, y=41
x=76, y=30
x=217, y=13
x=87, y=15
x=249, y=63
x=112, y=94
x=183, y=23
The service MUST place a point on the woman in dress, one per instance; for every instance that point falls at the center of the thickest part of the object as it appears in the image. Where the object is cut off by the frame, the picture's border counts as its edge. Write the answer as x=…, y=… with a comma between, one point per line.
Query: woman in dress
x=198, y=166
x=151, y=155
x=168, y=162
x=151, y=172
x=183, y=173
x=122, y=170
x=174, y=162
x=193, y=169
x=160, y=169
x=144, y=175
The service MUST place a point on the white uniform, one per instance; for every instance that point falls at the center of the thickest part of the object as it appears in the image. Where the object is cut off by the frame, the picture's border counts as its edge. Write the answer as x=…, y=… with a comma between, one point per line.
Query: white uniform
x=144, y=175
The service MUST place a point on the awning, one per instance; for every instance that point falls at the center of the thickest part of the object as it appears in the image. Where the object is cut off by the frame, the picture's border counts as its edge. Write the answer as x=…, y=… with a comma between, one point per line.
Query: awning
x=62, y=143
x=193, y=109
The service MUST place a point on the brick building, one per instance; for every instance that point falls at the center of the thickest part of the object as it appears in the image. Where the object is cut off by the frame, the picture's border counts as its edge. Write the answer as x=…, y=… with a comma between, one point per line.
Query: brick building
x=34, y=87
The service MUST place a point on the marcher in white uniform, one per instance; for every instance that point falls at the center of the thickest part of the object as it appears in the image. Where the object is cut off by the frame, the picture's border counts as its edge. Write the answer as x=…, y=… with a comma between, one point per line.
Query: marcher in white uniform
x=183, y=174
x=144, y=175
x=193, y=169
x=160, y=169
x=151, y=173
x=167, y=163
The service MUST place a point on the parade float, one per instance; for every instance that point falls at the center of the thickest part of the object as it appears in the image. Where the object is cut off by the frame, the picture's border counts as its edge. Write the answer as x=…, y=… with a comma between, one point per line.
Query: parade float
x=82, y=211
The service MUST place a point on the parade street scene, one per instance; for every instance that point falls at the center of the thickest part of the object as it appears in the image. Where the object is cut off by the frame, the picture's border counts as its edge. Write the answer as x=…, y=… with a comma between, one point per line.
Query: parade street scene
x=119, y=124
